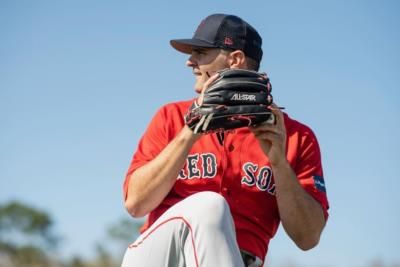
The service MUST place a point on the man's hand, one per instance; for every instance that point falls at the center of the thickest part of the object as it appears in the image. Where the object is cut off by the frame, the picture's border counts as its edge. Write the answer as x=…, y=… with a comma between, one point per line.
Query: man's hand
x=301, y=215
x=272, y=137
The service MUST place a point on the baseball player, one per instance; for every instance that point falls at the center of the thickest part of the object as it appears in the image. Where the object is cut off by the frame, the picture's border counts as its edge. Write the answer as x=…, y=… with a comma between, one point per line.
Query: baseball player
x=216, y=199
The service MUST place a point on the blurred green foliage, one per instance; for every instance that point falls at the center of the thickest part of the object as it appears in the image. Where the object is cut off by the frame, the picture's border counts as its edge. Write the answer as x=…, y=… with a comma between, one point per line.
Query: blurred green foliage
x=27, y=239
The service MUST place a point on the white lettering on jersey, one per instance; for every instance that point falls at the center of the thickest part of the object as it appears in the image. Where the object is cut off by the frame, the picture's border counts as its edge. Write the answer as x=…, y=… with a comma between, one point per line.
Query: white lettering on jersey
x=209, y=165
x=261, y=178
x=194, y=168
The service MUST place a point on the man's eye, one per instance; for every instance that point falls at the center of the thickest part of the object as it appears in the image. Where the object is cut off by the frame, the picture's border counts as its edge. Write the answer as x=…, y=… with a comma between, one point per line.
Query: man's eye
x=199, y=52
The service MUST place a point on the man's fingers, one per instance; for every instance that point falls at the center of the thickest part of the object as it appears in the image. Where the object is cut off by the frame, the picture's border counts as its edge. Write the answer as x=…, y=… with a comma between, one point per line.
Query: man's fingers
x=205, y=86
x=209, y=81
x=279, y=119
x=264, y=127
x=268, y=136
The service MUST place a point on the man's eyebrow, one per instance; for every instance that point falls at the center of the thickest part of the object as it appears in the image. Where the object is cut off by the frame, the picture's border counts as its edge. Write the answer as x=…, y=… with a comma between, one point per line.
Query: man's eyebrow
x=199, y=49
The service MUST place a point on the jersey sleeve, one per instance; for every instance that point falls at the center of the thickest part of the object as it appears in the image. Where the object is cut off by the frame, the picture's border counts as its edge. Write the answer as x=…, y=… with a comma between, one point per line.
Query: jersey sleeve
x=150, y=145
x=309, y=169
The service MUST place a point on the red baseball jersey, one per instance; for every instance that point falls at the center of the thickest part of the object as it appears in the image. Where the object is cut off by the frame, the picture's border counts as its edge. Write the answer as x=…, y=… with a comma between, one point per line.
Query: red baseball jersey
x=237, y=169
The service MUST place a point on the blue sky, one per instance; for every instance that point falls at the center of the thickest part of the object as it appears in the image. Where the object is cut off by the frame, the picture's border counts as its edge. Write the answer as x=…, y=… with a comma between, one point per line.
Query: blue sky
x=80, y=80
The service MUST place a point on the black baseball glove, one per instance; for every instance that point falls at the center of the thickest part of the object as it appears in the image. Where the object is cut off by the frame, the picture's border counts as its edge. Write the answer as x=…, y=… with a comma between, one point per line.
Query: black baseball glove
x=237, y=98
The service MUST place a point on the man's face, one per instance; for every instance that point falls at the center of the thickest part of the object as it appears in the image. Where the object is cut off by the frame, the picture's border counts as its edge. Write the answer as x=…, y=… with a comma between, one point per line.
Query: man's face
x=205, y=62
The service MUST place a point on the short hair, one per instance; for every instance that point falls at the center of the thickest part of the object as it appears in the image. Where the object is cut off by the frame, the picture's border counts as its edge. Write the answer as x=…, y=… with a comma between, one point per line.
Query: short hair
x=252, y=64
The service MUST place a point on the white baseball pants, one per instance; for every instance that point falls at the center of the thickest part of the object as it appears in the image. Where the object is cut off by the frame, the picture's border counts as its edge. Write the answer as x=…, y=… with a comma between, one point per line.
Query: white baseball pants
x=196, y=232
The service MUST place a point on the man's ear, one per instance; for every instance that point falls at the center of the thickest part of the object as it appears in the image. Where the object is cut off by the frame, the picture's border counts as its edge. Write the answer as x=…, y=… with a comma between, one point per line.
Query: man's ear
x=237, y=59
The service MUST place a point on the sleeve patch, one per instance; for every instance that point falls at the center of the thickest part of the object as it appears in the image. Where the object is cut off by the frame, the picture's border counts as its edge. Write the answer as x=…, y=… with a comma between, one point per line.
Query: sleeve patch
x=319, y=183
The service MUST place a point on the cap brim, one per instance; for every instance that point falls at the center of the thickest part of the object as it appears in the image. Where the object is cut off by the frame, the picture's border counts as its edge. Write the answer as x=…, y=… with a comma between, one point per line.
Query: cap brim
x=186, y=45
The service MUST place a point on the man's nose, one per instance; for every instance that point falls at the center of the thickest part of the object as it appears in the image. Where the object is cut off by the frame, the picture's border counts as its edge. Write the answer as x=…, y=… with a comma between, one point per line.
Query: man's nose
x=191, y=62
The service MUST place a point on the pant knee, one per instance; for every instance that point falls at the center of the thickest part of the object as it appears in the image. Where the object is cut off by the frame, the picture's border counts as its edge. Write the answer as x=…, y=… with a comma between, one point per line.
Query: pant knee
x=211, y=208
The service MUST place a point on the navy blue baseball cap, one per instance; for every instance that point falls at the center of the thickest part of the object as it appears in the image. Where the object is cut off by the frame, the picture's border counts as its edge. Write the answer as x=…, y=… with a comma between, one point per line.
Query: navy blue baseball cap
x=226, y=32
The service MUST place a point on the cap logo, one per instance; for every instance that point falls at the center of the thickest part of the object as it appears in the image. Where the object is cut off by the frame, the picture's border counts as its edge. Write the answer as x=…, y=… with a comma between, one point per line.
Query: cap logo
x=228, y=41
